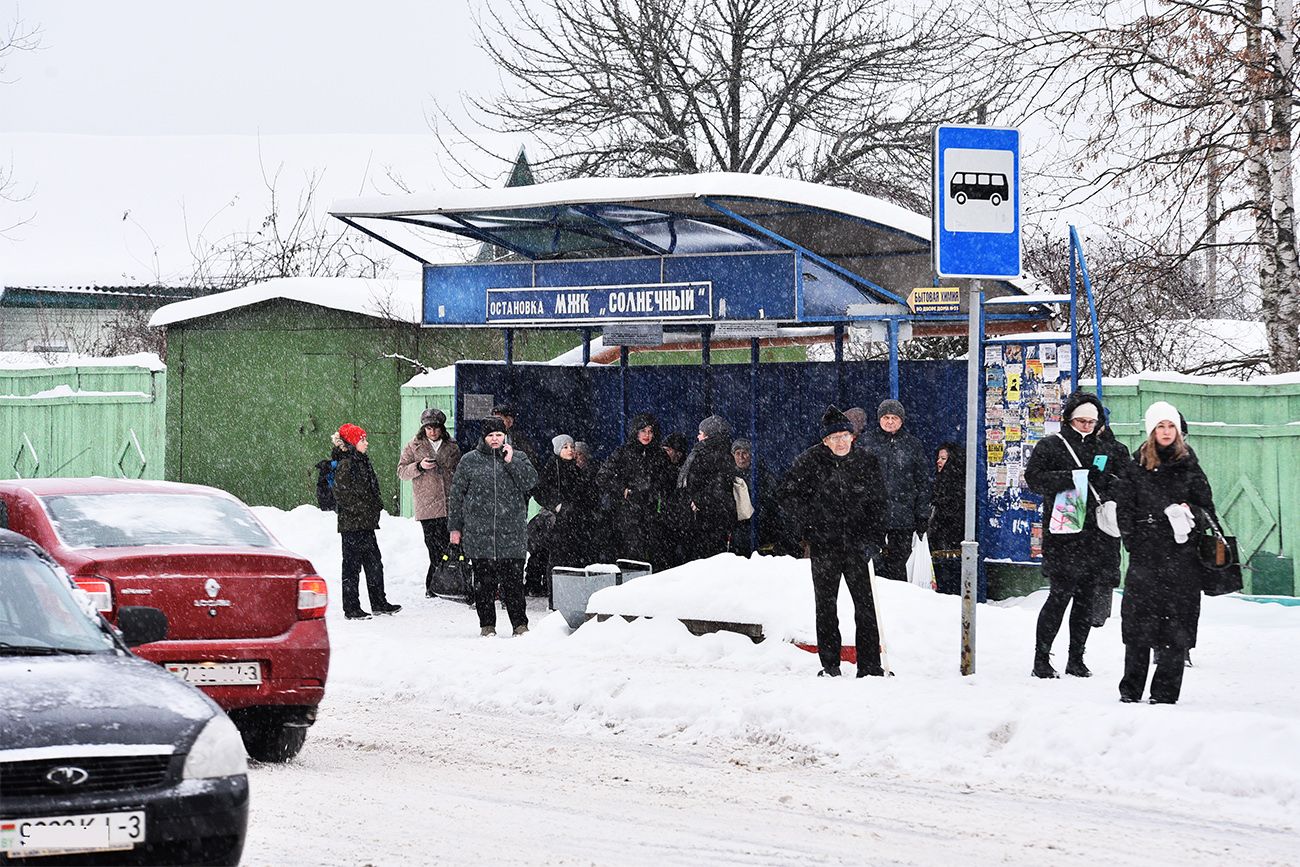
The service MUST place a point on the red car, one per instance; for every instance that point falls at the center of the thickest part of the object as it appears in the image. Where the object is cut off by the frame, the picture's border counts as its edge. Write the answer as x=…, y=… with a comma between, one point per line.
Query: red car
x=246, y=617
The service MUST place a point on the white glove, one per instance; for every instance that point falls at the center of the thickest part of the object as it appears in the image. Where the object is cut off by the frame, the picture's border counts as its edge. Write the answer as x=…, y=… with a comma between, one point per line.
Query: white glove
x=1181, y=520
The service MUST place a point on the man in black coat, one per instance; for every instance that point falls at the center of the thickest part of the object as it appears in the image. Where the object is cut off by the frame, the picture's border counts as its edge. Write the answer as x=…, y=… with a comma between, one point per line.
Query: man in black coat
x=1072, y=561
x=908, y=485
x=356, y=492
x=707, y=482
x=635, y=481
x=835, y=497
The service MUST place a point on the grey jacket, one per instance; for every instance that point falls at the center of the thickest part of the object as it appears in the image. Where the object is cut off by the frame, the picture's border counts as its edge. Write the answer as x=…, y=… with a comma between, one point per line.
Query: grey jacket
x=489, y=504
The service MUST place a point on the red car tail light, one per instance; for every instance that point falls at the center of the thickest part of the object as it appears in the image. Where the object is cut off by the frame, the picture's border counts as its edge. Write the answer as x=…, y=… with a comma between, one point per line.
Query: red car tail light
x=100, y=592
x=313, y=597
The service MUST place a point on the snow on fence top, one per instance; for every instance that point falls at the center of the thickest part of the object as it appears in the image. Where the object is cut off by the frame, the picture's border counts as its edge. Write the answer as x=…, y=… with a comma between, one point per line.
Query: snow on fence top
x=45, y=361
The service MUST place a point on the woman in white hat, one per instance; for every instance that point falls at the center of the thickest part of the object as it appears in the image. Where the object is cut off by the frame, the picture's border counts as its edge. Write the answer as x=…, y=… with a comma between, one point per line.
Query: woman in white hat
x=1164, y=494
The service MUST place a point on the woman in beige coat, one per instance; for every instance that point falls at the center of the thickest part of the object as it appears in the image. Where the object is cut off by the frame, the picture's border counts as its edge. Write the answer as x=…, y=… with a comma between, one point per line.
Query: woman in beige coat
x=428, y=462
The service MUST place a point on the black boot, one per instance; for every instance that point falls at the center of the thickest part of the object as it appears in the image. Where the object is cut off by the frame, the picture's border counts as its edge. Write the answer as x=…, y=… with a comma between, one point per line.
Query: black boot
x=1076, y=668
x=1043, y=665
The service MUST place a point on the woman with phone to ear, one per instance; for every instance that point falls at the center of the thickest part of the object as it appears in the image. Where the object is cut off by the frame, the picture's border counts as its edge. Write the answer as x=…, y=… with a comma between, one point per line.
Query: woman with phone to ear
x=1163, y=491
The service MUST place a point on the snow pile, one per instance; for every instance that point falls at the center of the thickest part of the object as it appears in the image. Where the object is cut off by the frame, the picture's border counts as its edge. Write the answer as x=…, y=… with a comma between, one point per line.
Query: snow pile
x=39, y=361
x=385, y=298
x=1228, y=747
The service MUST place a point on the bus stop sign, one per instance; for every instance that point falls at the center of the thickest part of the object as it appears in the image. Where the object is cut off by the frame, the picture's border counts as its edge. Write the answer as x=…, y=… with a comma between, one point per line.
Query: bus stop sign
x=976, y=202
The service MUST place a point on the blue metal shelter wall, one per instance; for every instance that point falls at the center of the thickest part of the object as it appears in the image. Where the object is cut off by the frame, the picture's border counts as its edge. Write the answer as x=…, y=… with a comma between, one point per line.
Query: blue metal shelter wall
x=586, y=402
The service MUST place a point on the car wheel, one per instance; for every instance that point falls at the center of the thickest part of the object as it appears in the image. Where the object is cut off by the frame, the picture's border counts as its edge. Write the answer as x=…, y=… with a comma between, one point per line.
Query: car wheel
x=995, y=199
x=269, y=740
x=961, y=198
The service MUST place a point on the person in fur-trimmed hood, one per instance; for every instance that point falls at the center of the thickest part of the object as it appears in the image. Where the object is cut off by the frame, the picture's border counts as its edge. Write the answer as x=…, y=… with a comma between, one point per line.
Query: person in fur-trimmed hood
x=356, y=491
x=427, y=462
x=1072, y=561
x=635, y=481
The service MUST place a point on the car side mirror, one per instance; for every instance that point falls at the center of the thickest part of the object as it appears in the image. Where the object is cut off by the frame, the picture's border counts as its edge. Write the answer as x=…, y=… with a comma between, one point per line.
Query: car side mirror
x=141, y=624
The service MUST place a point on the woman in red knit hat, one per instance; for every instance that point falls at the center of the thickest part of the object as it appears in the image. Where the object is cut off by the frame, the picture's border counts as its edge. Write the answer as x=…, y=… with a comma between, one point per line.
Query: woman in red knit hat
x=356, y=491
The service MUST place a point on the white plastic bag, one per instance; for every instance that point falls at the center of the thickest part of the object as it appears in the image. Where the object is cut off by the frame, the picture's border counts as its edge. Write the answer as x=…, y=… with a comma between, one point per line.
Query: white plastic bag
x=920, y=567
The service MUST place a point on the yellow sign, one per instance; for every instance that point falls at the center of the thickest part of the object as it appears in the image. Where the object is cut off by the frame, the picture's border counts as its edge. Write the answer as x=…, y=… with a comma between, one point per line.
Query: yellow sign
x=935, y=299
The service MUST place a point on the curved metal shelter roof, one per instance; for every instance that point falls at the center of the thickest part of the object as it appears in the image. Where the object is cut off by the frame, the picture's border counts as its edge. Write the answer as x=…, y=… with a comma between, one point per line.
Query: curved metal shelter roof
x=880, y=249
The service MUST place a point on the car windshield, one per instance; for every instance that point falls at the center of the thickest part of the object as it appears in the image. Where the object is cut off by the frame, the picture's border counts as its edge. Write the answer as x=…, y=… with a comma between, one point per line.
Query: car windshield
x=39, y=611
x=129, y=520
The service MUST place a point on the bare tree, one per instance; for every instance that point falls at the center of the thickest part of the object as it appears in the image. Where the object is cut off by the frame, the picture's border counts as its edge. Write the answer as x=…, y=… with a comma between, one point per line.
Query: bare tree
x=1175, y=98
x=291, y=241
x=16, y=36
x=836, y=91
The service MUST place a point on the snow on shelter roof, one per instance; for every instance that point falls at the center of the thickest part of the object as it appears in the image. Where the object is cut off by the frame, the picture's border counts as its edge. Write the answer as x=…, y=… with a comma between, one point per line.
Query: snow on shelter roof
x=383, y=298
x=720, y=212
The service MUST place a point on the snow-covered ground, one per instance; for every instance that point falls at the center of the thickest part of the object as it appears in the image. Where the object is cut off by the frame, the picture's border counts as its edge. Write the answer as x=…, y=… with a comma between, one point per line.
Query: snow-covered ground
x=637, y=743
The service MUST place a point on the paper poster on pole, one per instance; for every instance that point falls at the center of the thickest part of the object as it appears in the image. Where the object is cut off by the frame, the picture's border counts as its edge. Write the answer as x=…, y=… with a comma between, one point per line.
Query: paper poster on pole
x=1064, y=358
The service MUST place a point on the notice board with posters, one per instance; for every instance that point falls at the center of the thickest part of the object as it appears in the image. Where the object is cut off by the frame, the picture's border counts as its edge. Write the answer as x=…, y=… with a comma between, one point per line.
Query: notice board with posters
x=1025, y=387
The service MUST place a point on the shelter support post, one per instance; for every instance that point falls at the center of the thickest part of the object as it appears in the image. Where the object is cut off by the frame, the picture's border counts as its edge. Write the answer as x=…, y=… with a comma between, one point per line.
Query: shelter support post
x=753, y=436
x=706, y=334
x=1076, y=256
x=586, y=346
x=839, y=364
x=510, y=346
x=969, y=545
x=893, y=357
x=622, y=389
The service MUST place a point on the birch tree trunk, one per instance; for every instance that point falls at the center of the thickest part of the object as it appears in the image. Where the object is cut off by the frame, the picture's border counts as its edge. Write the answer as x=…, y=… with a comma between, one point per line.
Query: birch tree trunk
x=1284, y=330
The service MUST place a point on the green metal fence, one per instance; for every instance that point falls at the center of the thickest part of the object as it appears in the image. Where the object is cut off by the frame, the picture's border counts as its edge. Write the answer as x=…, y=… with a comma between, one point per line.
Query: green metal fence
x=1247, y=436
x=82, y=421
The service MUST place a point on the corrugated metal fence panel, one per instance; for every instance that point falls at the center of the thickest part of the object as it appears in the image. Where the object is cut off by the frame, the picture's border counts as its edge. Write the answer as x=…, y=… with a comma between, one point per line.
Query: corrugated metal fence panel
x=415, y=400
x=1247, y=438
x=105, y=421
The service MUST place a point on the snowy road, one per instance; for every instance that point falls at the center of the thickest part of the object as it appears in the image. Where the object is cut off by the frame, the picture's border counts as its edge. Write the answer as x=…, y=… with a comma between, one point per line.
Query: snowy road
x=636, y=743
x=396, y=785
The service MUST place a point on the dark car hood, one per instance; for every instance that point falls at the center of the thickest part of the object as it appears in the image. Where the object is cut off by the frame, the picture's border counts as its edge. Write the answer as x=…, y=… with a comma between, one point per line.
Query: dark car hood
x=96, y=699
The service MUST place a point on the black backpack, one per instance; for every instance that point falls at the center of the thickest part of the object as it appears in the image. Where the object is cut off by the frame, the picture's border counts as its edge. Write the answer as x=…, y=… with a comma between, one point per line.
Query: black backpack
x=325, y=485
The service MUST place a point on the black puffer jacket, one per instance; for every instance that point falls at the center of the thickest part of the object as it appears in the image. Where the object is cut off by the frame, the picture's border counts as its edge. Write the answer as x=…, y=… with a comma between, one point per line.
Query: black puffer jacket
x=835, y=503
x=707, y=479
x=1050, y=470
x=356, y=490
x=488, y=503
x=905, y=468
x=1162, y=589
x=948, y=521
x=642, y=470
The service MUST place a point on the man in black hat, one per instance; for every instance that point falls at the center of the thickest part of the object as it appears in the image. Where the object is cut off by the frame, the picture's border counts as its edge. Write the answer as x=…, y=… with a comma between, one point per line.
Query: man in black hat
x=506, y=413
x=909, y=484
x=835, y=498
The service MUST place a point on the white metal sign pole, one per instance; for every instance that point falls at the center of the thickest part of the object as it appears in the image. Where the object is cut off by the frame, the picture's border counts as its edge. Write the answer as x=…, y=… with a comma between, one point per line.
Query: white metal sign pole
x=969, y=547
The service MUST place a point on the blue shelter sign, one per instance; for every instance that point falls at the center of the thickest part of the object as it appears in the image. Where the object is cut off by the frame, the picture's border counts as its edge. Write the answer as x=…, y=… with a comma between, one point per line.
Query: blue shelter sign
x=976, y=202
x=657, y=301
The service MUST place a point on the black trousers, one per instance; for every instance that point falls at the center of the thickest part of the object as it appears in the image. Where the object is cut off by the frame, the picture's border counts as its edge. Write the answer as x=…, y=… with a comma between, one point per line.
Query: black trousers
x=361, y=551
x=827, y=567
x=893, y=559
x=508, y=575
x=436, y=541
x=1081, y=593
x=1166, y=685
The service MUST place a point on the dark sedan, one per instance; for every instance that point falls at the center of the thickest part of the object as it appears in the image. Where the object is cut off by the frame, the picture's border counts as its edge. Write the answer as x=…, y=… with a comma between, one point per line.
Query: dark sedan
x=104, y=758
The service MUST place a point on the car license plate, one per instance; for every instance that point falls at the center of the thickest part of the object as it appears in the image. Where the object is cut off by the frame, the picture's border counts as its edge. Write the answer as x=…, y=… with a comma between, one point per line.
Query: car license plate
x=62, y=835
x=217, y=673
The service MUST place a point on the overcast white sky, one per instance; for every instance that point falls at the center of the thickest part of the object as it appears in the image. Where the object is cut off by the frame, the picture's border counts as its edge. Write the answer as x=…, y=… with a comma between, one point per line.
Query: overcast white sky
x=154, y=67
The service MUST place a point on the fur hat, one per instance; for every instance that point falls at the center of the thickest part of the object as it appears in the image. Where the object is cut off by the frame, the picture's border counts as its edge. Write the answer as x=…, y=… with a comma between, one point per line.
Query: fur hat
x=492, y=425
x=352, y=434
x=432, y=417
x=834, y=421
x=715, y=426
x=677, y=442
x=857, y=417
x=504, y=410
x=582, y=447
x=741, y=446
x=559, y=442
x=1158, y=412
x=889, y=406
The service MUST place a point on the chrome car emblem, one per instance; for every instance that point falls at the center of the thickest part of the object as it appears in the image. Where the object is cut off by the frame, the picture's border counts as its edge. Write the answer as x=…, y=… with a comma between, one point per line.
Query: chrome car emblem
x=212, y=587
x=67, y=775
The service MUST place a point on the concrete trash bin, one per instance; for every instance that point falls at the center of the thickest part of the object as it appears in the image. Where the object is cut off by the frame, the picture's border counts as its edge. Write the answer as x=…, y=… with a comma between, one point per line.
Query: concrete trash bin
x=571, y=587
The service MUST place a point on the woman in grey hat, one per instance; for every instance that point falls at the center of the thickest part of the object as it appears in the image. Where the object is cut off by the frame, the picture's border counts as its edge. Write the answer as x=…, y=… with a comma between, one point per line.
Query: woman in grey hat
x=428, y=462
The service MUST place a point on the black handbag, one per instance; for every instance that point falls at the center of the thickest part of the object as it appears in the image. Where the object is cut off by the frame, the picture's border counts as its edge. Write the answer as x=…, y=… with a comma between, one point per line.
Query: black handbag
x=453, y=575
x=1217, y=555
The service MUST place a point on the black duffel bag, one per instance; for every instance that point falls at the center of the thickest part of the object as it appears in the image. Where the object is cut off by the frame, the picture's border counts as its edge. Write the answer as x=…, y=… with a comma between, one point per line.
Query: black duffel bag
x=1218, y=558
x=452, y=576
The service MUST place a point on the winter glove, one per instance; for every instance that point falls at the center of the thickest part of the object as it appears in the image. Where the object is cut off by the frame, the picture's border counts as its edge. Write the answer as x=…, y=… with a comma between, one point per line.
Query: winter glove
x=871, y=554
x=921, y=529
